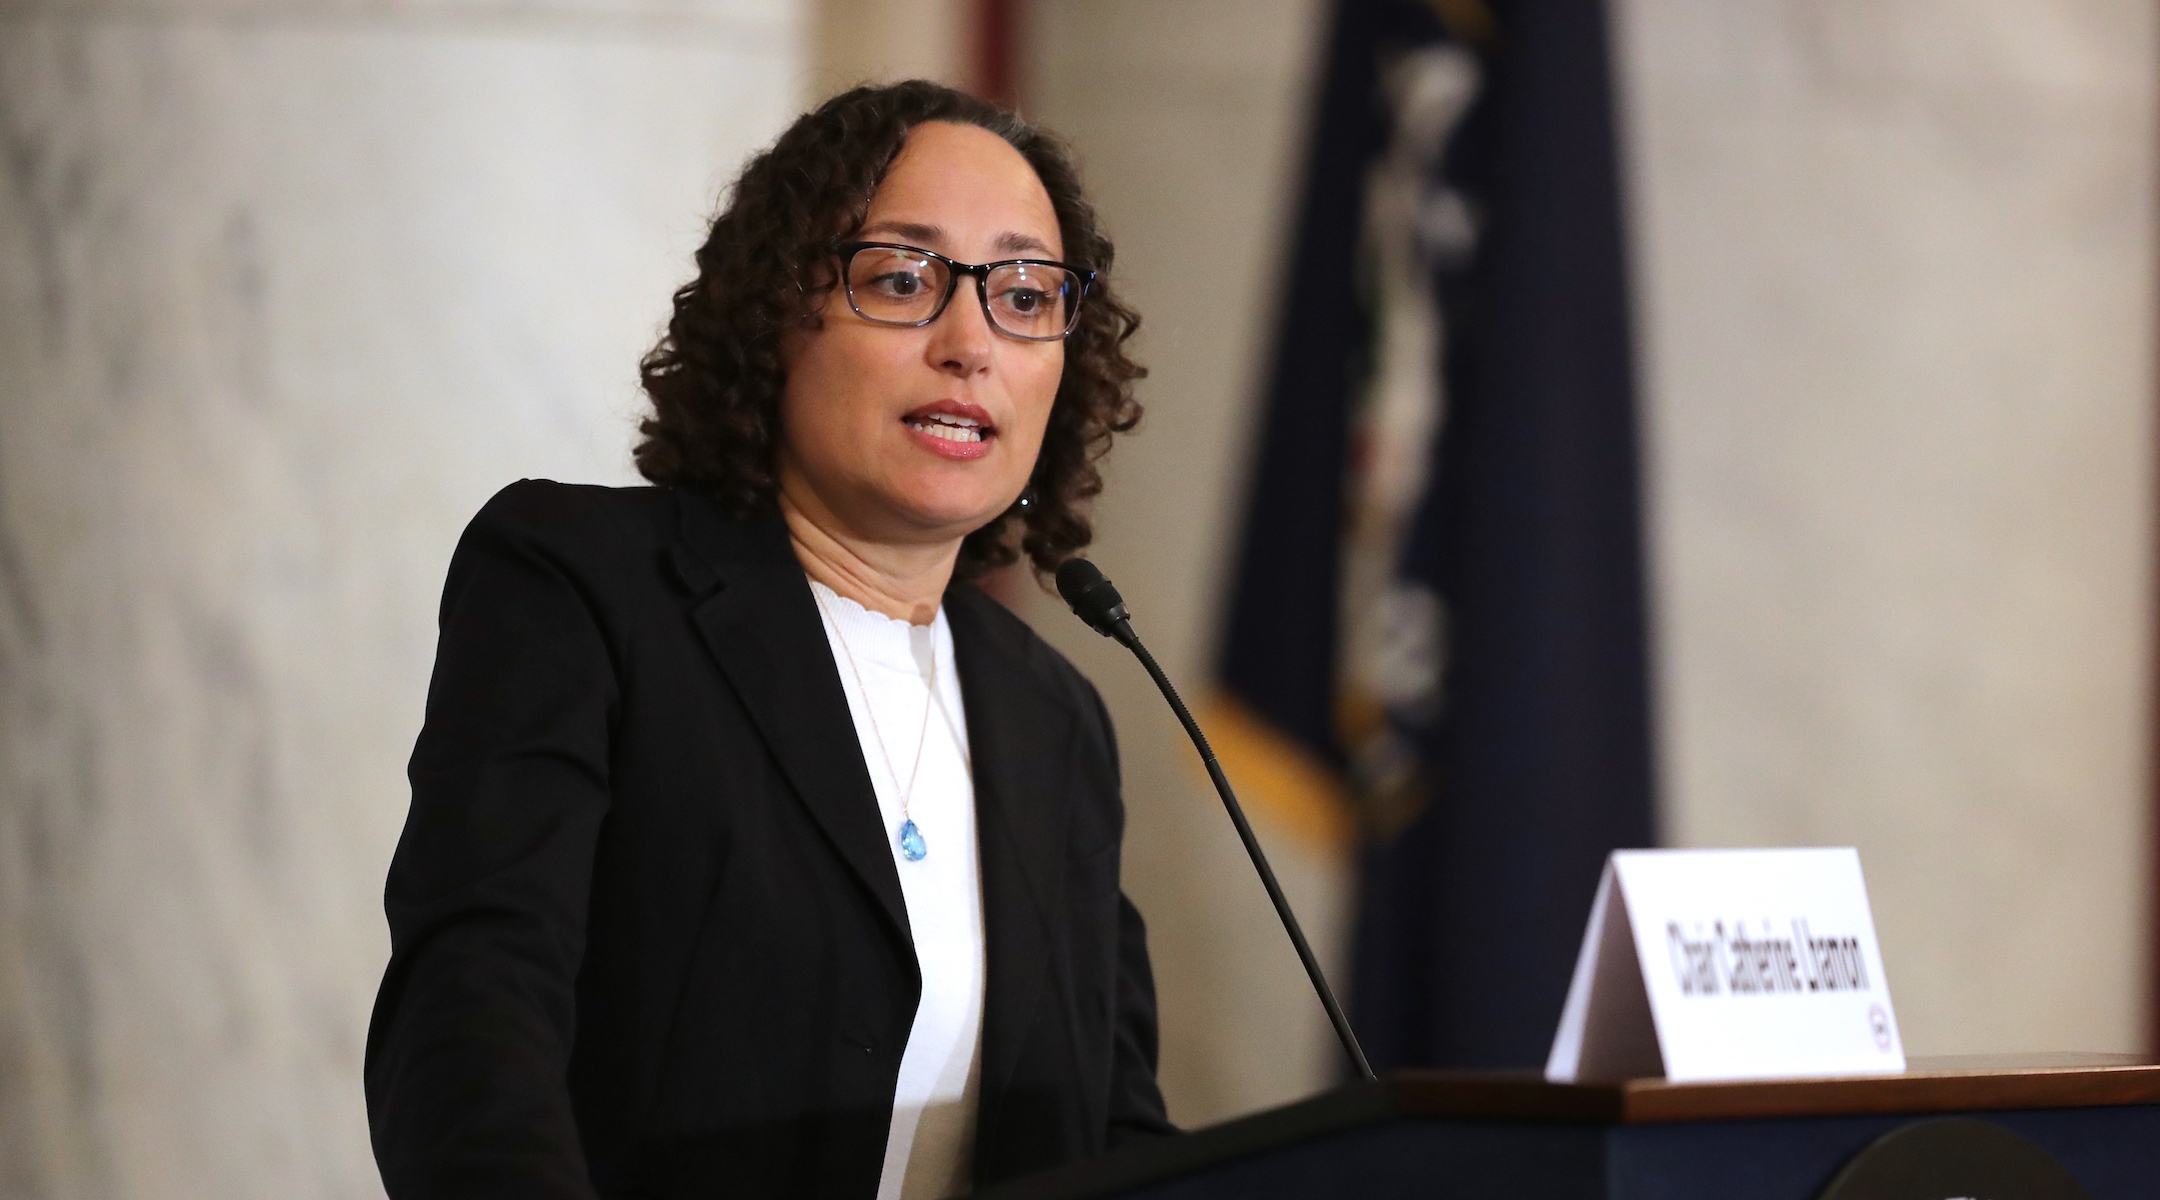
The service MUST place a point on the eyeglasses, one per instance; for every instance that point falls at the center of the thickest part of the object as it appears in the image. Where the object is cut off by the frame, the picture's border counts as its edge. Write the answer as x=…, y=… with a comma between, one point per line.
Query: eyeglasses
x=1033, y=300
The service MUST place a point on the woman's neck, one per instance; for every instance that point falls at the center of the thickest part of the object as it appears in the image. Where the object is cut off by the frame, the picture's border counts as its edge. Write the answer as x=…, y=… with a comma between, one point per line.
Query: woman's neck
x=904, y=582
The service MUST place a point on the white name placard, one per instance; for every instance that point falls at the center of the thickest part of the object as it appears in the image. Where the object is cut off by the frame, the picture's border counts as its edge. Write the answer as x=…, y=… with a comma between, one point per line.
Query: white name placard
x=1728, y=964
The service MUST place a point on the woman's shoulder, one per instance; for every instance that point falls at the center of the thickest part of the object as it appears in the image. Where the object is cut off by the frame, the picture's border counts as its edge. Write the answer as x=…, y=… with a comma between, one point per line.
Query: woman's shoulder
x=582, y=531
x=575, y=520
x=544, y=505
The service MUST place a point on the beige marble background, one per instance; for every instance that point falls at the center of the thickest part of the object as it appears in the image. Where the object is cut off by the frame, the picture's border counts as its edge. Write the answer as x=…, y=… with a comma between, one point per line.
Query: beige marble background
x=285, y=292
x=1897, y=274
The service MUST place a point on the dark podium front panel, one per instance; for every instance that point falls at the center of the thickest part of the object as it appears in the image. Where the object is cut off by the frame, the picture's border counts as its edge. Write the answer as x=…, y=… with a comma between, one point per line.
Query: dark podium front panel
x=1479, y=1136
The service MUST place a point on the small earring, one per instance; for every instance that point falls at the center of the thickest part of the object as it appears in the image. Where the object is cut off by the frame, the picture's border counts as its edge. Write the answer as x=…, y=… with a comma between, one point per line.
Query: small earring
x=1026, y=500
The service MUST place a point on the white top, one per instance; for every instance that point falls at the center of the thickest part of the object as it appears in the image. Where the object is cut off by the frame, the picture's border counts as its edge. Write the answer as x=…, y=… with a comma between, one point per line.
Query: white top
x=931, y=1149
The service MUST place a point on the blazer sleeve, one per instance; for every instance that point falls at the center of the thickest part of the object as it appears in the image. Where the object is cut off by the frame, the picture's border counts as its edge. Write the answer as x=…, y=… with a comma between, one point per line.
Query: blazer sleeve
x=1136, y=1108
x=470, y=1041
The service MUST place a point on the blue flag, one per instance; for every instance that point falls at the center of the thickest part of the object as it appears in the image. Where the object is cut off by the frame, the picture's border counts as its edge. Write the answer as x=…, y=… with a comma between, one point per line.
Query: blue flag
x=1437, y=615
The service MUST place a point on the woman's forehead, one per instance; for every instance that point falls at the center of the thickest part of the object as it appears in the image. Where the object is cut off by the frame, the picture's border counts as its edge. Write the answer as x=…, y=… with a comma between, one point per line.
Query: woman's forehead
x=961, y=189
x=1010, y=241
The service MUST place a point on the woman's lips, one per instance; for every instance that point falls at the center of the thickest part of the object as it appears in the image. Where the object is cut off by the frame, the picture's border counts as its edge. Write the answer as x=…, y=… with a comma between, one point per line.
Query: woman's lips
x=951, y=429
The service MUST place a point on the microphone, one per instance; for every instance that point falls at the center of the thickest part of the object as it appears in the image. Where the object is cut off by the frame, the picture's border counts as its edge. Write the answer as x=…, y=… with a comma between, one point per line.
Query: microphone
x=1095, y=600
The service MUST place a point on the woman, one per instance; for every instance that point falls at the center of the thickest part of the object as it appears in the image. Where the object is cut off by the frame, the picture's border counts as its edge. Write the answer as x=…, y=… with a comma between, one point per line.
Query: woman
x=753, y=852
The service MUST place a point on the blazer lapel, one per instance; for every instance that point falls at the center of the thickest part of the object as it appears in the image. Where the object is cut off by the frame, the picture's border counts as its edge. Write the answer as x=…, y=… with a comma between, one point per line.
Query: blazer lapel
x=1020, y=735
x=755, y=613
x=761, y=624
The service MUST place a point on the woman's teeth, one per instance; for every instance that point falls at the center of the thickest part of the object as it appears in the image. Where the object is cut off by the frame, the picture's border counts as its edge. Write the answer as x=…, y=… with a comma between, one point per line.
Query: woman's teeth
x=952, y=429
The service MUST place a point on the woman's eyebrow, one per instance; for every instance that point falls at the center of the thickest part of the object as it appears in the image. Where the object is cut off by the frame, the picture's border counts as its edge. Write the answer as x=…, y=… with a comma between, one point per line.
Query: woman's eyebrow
x=1018, y=243
x=931, y=234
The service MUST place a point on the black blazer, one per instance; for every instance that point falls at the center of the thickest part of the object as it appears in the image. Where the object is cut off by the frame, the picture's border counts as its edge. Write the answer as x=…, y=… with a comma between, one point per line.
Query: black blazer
x=647, y=938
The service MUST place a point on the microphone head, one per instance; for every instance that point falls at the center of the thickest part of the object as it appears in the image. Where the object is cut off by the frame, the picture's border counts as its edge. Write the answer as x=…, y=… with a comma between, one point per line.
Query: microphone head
x=1092, y=597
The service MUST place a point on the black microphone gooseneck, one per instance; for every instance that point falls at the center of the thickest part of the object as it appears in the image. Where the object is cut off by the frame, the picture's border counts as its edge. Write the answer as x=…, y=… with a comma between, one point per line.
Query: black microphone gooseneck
x=1095, y=601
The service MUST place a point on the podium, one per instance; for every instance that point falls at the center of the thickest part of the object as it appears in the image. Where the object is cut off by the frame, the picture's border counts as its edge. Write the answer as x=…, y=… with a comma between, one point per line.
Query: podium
x=1485, y=1136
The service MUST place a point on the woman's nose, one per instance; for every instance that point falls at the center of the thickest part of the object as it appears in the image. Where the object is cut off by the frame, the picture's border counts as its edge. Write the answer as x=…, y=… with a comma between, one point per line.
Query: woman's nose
x=961, y=337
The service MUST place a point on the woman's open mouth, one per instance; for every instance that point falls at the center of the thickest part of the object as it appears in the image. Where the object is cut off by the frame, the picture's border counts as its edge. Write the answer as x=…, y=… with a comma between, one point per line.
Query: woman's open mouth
x=952, y=429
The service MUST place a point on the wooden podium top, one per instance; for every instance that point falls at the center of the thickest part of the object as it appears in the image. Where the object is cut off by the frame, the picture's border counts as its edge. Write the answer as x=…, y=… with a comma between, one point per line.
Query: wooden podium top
x=1928, y=1085
x=1954, y=1084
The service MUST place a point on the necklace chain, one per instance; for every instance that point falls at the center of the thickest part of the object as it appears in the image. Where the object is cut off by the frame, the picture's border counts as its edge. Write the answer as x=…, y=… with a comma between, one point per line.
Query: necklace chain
x=921, y=738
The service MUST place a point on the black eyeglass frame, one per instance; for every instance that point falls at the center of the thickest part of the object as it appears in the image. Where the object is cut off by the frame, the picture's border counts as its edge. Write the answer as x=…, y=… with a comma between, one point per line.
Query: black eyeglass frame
x=954, y=270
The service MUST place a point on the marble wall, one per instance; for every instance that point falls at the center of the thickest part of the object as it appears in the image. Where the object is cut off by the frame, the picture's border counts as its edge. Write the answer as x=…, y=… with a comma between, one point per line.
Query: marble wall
x=877, y=41
x=286, y=290
x=1897, y=271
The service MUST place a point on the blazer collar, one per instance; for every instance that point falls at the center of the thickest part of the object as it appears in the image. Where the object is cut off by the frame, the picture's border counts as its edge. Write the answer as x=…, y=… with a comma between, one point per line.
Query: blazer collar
x=755, y=612
x=1022, y=735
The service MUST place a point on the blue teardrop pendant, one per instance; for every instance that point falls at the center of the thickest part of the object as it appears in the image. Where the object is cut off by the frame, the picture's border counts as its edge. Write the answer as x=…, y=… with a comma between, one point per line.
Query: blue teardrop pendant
x=911, y=842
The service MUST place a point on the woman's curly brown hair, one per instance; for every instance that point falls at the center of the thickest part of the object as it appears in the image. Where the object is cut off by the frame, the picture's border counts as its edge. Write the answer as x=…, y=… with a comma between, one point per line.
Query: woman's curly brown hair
x=716, y=377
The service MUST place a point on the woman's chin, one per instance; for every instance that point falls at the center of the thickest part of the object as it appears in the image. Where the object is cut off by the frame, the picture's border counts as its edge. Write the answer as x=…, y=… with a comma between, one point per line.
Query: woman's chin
x=952, y=497
x=948, y=512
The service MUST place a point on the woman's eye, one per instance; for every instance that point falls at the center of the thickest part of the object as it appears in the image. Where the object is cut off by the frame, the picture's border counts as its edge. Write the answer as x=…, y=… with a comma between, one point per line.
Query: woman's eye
x=1026, y=300
x=899, y=283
